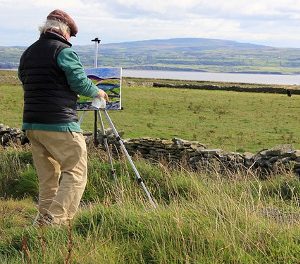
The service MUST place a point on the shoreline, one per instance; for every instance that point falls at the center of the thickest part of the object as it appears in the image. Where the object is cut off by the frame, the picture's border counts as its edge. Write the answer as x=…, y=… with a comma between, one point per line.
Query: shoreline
x=192, y=83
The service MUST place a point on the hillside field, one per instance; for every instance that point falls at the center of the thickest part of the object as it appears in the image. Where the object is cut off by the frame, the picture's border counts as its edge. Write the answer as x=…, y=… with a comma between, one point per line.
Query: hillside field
x=185, y=54
x=232, y=121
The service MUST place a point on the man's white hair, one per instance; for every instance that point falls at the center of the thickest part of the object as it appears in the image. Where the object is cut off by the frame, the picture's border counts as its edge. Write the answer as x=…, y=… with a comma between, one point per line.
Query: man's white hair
x=54, y=25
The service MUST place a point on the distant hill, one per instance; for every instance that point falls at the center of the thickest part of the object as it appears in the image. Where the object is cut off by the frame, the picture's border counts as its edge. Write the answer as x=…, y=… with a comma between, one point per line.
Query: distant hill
x=192, y=54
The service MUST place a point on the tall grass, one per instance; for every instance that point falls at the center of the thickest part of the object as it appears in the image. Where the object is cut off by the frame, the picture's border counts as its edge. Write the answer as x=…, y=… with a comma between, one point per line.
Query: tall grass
x=201, y=218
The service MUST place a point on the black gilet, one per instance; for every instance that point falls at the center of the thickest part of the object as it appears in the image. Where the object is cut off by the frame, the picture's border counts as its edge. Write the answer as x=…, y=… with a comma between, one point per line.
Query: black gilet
x=48, y=98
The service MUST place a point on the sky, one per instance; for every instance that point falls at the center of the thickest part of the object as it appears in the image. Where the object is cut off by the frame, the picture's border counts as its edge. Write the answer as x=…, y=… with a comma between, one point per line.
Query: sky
x=268, y=22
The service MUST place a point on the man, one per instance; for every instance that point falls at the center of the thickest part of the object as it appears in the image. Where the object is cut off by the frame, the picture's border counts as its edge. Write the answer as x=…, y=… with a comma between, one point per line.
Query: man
x=52, y=77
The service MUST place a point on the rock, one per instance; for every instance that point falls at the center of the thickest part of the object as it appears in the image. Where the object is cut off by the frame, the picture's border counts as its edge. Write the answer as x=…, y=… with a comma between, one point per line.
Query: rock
x=296, y=155
x=296, y=170
x=210, y=152
x=278, y=150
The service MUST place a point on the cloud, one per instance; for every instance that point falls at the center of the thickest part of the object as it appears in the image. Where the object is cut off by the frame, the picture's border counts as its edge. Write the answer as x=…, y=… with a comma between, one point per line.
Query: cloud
x=258, y=21
x=220, y=8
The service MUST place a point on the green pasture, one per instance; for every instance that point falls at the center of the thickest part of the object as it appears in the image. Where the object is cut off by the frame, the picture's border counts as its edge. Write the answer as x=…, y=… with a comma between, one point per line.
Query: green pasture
x=228, y=120
x=201, y=218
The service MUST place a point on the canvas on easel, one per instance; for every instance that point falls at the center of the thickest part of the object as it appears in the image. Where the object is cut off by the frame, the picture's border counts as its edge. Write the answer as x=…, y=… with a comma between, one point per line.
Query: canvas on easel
x=107, y=79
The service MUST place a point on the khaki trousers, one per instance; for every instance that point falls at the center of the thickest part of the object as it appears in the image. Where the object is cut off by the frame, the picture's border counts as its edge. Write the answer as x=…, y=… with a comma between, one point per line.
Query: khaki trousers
x=60, y=159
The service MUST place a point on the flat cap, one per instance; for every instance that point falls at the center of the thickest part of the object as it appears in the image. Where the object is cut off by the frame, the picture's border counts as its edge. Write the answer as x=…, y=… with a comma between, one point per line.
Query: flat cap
x=64, y=18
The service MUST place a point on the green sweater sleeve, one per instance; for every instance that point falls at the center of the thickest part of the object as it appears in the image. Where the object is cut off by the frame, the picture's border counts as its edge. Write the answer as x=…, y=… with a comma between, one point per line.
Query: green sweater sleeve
x=69, y=62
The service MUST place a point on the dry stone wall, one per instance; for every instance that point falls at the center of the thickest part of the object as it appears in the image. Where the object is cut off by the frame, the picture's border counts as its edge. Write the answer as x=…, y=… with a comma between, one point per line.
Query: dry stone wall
x=235, y=88
x=192, y=154
x=200, y=158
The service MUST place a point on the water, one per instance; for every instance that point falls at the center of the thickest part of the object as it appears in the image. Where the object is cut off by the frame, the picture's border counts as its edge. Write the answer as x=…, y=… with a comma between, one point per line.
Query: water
x=217, y=77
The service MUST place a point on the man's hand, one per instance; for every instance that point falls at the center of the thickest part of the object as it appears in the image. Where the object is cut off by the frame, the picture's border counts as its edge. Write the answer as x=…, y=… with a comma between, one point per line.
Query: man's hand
x=103, y=94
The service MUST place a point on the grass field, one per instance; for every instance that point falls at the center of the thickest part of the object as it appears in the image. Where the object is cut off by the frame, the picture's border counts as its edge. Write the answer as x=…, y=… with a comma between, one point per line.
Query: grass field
x=201, y=218
x=228, y=120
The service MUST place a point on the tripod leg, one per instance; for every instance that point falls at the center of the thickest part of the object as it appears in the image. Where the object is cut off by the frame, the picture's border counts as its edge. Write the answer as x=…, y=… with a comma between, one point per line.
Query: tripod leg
x=95, y=128
x=81, y=117
x=138, y=177
x=113, y=171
